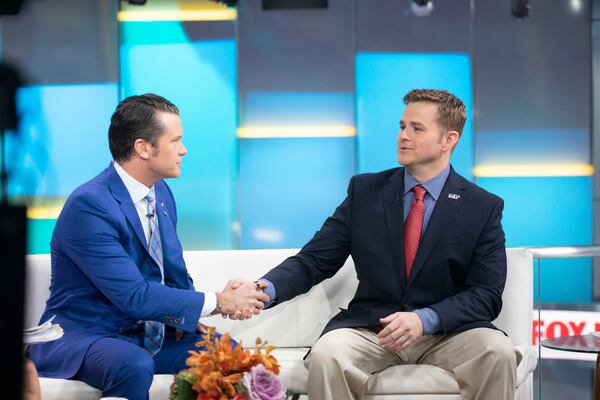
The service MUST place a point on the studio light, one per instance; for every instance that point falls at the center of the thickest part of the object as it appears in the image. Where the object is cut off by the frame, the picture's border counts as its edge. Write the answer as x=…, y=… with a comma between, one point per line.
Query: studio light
x=10, y=7
x=519, y=8
x=422, y=8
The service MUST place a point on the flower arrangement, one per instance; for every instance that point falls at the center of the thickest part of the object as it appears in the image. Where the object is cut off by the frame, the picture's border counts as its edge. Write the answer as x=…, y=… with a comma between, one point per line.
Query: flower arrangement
x=221, y=372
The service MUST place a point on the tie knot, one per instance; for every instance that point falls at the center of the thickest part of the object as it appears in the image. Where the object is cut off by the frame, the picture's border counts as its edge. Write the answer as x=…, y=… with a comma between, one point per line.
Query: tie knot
x=149, y=198
x=419, y=192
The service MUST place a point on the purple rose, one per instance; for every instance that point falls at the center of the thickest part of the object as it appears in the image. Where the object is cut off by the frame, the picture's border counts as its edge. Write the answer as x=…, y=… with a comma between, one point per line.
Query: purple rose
x=263, y=384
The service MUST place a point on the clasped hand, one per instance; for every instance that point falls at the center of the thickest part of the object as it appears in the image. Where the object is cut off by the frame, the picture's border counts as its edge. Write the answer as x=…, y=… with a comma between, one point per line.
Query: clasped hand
x=241, y=299
x=400, y=330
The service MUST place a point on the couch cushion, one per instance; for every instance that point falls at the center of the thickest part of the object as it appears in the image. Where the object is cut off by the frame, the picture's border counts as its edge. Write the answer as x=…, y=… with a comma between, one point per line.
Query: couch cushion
x=61, y=389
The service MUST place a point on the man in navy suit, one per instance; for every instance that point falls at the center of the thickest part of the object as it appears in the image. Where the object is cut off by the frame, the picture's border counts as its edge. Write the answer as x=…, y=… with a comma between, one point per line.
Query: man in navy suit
x=429, y=252
x=120, y=288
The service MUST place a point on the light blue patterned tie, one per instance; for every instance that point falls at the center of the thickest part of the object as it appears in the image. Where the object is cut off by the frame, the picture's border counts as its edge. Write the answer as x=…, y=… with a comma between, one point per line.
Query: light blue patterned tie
x=154, y=332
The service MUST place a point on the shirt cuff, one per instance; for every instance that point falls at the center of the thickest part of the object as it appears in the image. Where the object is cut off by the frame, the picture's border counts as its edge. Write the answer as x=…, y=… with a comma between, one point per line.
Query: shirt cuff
x=430, y=319
x=269, y=291
x=210, y=303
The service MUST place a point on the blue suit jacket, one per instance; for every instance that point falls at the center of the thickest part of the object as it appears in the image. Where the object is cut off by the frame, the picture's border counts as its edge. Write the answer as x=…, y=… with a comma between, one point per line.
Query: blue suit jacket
x=459, y=270
x=103, y=278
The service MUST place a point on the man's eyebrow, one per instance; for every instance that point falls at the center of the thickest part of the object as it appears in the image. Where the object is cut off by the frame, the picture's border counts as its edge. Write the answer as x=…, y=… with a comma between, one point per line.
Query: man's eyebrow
x=412, y=123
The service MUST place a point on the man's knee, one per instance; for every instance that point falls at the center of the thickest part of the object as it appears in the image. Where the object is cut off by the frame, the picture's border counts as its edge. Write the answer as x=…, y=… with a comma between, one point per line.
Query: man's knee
x=498, y=351
x=333, y=348
x=139, y=369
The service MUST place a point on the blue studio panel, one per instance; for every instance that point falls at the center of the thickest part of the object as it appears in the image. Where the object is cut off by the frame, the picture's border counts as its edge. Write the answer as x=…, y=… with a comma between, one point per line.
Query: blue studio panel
x=292, y=108
x=550, y=211
x=63, y=138
x=544, y=146
x=288, y=187
x=382, y=80
x=200, y=78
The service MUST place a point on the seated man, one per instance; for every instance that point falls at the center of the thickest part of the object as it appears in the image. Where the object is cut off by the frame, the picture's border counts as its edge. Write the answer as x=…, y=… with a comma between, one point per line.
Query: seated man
x=429, y=252
x=120, y=288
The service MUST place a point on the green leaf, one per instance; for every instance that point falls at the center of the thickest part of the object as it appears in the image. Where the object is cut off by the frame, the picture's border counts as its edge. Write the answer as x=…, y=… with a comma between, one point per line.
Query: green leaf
x=181, y=389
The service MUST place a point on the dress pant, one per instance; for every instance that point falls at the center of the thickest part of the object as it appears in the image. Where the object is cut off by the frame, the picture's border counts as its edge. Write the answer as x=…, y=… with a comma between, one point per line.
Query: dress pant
x=483, y=362
x=121, y=367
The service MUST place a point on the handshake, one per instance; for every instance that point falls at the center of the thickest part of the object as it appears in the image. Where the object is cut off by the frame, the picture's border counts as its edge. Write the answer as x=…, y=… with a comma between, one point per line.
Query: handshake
x=241, y=299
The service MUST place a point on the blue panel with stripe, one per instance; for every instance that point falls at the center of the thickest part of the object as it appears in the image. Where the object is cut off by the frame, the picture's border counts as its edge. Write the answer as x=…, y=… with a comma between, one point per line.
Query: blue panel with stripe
x=550, y=211
x=200, y=78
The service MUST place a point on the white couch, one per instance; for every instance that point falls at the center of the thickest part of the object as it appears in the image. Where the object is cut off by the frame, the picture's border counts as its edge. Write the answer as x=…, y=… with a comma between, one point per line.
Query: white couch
x=294, y=326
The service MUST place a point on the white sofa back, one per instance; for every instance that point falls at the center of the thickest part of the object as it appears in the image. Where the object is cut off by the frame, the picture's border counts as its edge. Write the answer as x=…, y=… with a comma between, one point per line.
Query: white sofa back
x=297, y=323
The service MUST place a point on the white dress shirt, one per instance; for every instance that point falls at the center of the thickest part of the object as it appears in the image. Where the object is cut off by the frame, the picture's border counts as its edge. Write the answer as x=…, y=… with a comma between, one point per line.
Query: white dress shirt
x=138, y=191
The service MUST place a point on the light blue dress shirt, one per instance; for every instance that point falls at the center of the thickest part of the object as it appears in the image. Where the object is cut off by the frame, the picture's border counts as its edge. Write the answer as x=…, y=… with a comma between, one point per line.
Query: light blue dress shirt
x=431, y=320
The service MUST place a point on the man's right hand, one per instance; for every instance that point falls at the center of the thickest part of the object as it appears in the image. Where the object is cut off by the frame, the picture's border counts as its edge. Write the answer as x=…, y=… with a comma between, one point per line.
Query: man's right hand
x=240, y=299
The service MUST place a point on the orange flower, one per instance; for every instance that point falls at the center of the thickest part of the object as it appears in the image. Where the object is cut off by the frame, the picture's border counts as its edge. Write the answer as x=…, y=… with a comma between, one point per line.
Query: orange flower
x=219, y=366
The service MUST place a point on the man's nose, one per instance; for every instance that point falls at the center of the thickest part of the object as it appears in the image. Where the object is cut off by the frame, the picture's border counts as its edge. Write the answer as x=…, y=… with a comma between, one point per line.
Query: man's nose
x=402, y=135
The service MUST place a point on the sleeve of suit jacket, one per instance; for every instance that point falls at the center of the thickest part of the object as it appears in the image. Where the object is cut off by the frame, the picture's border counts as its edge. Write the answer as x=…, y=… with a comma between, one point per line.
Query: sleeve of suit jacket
x=319, y=259
x=93, y=243
x=481, y=297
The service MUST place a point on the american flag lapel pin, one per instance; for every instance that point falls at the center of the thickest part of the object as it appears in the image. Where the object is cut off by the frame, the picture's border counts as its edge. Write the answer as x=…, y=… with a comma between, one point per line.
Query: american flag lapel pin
x=453, y=196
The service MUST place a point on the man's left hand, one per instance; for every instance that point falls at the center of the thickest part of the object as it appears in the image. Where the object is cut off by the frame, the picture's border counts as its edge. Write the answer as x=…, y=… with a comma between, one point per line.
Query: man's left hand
x=400, y=330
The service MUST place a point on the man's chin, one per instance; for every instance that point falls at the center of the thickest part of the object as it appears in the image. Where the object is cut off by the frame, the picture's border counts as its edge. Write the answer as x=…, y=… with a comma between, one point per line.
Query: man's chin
x=173, y=174
x=403, y=161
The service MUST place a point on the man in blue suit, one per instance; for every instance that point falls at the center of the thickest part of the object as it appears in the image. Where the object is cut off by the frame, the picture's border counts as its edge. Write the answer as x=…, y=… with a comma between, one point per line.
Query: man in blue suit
x=120, y=288
x=429, y=252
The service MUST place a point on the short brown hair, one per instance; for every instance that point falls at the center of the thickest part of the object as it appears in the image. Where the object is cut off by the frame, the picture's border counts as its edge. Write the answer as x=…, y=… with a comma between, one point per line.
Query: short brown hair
x=136, y=117
x=452, y=114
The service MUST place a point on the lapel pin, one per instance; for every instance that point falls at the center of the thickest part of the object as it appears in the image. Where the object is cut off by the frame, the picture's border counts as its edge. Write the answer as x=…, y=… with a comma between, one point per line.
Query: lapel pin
x=453, y=196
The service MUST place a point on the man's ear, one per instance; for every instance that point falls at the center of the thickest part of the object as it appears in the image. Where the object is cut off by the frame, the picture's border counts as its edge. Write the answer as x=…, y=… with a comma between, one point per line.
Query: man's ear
x=142, y=148
x=451, y=139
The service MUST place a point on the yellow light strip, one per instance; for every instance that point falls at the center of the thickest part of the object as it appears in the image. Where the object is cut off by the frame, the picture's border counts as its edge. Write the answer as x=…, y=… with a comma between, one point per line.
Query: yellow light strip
x=515, y=170
x=43, y=212
x=176, y=15
x=296, y=131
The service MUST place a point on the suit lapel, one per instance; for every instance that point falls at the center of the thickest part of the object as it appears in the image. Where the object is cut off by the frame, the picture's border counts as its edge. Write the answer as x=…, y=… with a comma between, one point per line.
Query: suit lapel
x=120, y=193
x=450, y=201
x=394, y=215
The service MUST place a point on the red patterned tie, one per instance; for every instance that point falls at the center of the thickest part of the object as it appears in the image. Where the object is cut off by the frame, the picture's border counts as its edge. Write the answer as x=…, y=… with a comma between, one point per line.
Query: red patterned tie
x=412, y=228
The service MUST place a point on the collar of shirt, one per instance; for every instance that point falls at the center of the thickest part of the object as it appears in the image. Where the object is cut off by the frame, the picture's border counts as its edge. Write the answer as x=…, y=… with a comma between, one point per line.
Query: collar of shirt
x=136, y=189
x=433, y=186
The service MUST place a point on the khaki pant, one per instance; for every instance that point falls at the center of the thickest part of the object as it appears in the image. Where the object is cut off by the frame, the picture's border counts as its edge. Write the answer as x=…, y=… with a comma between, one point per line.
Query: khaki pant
x=482, y=360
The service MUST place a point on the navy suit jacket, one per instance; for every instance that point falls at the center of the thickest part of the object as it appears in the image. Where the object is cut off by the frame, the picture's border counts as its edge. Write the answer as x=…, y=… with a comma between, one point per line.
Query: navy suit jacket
x=459, y=270
x=103, y=278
